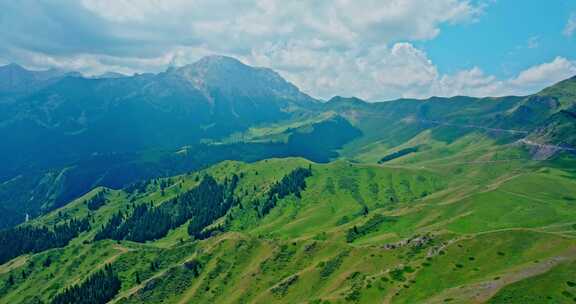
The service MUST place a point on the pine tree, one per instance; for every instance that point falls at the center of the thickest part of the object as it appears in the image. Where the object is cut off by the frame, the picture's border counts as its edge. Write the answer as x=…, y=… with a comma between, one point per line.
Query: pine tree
x=99, y=288
x=21, y=240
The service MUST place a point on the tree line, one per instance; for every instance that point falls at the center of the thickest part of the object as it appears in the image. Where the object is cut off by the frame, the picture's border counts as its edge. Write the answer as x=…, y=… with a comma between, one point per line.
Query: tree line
x=203, y=204
x=399, y=154
x=28, y=239
x=370, y=226
x=99, y=288
x=293, y=183
x=97, y=201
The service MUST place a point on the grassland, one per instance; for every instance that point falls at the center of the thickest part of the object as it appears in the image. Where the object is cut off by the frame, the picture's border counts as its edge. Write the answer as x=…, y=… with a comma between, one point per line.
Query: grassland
x=465, y=221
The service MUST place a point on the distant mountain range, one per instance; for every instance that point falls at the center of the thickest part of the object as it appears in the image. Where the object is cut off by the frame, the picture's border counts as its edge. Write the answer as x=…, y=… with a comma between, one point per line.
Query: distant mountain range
x=64, y=115
x=63, y=134
x=16, y=79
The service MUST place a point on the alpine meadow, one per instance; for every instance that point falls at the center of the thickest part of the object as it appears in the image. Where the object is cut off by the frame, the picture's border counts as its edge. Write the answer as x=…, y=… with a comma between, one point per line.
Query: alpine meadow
x=212, y=152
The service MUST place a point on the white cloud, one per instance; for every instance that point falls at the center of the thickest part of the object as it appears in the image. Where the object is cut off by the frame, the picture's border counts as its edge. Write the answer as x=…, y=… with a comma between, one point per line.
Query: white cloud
x=472, y=82
x=401, y=70
x=326, y=47
x=340, y=21
x=375, y=73
x=545, y=74
x=475, y=82
x=570, y=27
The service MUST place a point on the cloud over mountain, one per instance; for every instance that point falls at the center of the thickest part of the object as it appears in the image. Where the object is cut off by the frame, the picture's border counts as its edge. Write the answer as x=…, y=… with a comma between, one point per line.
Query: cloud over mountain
x=364, y=48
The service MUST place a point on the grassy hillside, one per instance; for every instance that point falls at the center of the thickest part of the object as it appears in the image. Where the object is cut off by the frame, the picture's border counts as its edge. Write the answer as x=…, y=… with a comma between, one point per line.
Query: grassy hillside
x=458, y=200
x=342, y=128
x=460, y=221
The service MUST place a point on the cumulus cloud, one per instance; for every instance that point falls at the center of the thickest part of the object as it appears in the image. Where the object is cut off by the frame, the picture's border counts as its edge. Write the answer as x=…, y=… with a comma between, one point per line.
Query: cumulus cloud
x=545, y=74
x=475, y=82
x=152, y=28
x=327, y=47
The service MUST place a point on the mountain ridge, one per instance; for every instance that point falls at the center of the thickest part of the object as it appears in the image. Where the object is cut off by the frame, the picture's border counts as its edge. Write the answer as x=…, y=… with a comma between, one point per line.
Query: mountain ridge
x=217, y=182
x=143, y=114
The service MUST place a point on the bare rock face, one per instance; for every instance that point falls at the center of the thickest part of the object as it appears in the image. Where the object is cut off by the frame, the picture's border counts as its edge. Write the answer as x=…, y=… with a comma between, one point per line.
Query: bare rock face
x=544, y=151
x=417, y=241
x=228, y=75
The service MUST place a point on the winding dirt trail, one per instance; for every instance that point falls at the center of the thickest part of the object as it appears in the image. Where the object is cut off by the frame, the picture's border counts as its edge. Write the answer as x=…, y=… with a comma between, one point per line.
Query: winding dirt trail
x=15, y=263
x=482, y=291
x=470, y=126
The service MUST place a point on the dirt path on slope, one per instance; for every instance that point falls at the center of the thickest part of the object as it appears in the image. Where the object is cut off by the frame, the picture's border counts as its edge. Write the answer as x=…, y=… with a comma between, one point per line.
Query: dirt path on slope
x=470, y=126
x=135, y=289
x=121, y=250
x=482, y=291
x=13, y=264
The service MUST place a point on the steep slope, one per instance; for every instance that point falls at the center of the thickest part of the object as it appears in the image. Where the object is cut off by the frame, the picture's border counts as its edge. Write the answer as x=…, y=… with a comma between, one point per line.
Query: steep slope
x=209, y=99
x=97, y=125
x=218, y=108
x=399, y=233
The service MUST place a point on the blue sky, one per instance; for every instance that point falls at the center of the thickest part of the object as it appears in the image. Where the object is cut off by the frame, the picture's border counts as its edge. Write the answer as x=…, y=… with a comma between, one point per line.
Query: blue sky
x=510, y=36
x=374, y=49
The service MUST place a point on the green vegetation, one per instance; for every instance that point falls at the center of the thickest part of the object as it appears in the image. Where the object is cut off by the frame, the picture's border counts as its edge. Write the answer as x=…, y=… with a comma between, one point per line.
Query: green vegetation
x=206, y=202
x=476, y=216
x=22, y=240
x=341, y=232
x=370, y=226
x=398, y=154
x=293, y=183
x=98, y=288
x=97, y=201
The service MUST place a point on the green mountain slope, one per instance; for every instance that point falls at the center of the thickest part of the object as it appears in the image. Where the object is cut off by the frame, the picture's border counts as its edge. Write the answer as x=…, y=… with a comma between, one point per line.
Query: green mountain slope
x=444, y=200
x=466, y=228
x=219, y=109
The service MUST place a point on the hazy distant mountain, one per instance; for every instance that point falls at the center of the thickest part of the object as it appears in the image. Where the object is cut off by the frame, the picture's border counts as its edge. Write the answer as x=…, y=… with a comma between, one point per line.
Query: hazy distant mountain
x=14, y=78
x=49, y=120
x=225, y=75
x=74, y=116
x=208, y=99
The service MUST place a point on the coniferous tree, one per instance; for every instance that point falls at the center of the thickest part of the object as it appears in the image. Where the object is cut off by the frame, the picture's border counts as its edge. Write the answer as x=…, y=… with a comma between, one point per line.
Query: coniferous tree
x=97, y=201
x=293, y=183
x=99, y=288
x=27, y=239
x=204, y=204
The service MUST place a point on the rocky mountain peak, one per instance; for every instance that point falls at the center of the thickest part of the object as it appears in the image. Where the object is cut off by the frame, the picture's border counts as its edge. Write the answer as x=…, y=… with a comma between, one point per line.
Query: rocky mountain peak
x=229, y=75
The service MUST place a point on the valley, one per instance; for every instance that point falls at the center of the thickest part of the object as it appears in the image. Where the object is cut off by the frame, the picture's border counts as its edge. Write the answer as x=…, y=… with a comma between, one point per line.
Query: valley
x=475, y=241
x=444, y=200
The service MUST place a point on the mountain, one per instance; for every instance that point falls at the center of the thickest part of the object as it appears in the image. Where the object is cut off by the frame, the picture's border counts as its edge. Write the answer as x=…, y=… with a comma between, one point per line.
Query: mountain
x=72, y=134
x=194, y=102
x=190, y=103
x=218, y=182
x=266, y=233
x=16, y=79
x=93, y=126
x=227, y=75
